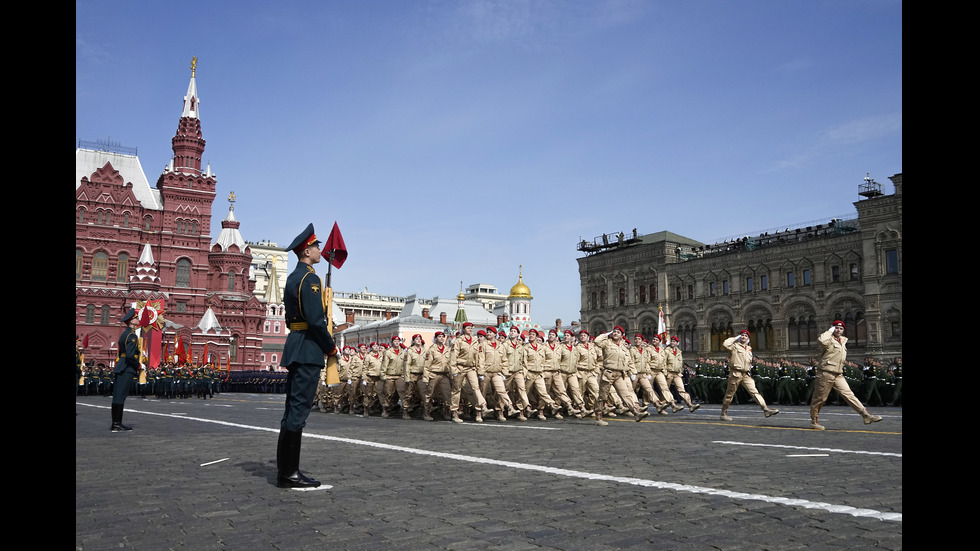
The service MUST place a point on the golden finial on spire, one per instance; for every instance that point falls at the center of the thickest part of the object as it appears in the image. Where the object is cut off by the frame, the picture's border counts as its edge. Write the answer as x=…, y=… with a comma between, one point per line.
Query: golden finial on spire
x=193, y=65
x=231, y=197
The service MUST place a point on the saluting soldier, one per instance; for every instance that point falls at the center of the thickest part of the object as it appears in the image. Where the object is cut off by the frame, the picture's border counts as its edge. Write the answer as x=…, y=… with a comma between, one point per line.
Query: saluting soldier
x=308, y=342
x=740, y=365
x=616, y=365
x=830, y=376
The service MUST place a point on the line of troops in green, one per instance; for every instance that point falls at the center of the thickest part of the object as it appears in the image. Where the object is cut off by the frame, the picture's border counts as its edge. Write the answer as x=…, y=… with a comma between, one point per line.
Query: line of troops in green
x=502, y=375
x=166, y=381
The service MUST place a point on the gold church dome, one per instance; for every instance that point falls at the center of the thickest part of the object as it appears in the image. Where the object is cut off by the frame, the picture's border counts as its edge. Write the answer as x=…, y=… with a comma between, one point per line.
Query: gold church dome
x=520, y=290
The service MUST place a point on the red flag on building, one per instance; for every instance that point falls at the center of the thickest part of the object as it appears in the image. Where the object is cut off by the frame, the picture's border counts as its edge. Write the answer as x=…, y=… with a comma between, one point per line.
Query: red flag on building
x=335, y=244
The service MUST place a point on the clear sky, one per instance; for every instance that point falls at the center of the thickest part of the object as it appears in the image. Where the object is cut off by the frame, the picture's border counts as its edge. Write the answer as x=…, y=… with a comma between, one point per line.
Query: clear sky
x=453, y=141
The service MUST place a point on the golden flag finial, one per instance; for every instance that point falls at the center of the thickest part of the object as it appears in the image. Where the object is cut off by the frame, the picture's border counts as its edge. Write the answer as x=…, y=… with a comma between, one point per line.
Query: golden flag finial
x=193, y=65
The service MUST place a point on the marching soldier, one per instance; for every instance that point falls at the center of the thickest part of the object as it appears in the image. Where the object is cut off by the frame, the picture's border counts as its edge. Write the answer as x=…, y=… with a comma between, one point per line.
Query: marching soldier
x=414, y=387
x=741, y=374
x=464, y=361
x=616, y=365
x=372, y=382
x=675, y=365
x=496, y=368
x=643, y=357
x=533, y=359
x=587, y=371
x=437, y=376
x=517, y=381
x=830, y=376
x=394, y=374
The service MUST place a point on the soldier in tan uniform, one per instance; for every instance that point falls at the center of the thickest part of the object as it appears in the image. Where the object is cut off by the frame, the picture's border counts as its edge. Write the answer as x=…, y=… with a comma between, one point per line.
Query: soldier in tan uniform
x=496, y=369
x=568, y=371
x=393, y=366
x=675, y=367
x=553, y=381
x=830, y=376
x=355, y=393
x=343, y=371
x=372, y=378
x=415, y=391
x=517, y=381
x=588, y=372
x=437, y=376
x=533, y=361
x=740, y=373
x=465, y=362
x=644, y=377
x=616, y=366
x=657, y=362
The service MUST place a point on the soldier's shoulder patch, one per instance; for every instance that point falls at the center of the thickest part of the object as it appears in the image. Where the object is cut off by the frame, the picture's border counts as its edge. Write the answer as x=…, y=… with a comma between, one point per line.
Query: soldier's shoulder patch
x=315, y=288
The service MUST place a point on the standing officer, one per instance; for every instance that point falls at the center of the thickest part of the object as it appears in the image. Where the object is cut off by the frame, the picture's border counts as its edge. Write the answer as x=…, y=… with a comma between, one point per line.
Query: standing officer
x=830, y=376
x=308, y=342
x=127, y=366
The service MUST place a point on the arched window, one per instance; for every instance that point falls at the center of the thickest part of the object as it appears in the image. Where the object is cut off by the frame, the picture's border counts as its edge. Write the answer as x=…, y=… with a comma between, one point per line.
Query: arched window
x=104, y=317
x=100, y=266
x=183, y=273
x=231, y=281
x=122, y=267
x=79, y=257
x=90, y=313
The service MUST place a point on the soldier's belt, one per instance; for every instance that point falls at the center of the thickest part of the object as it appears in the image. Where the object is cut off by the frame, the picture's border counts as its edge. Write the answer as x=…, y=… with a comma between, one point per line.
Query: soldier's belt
x=298, y=326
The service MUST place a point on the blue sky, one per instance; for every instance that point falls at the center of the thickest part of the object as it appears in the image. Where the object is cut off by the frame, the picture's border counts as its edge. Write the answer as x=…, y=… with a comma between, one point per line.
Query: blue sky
x=453, y=141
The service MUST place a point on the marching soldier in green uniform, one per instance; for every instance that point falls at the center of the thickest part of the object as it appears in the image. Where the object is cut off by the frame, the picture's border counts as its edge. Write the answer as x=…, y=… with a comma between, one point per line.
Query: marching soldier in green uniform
x=306, y=345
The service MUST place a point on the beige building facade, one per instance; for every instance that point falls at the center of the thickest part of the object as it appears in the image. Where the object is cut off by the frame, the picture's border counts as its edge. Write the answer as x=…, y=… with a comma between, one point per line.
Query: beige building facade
x=785, y=287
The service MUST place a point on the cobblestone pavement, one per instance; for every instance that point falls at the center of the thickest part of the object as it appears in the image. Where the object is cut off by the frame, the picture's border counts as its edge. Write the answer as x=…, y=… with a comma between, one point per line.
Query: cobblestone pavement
x=200, y=474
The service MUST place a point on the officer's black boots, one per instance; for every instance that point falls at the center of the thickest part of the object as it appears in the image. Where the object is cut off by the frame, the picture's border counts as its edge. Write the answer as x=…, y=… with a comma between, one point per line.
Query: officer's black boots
x=287, y=460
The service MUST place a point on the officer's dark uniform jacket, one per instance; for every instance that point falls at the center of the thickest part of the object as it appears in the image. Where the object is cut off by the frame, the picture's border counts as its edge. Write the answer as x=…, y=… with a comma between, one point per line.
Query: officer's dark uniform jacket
x=129, y=352
x=308, y=338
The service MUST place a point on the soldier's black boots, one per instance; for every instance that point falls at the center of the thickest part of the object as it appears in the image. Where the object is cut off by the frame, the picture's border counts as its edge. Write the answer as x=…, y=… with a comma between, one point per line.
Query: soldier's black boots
x=287, y=461
x=117, y=426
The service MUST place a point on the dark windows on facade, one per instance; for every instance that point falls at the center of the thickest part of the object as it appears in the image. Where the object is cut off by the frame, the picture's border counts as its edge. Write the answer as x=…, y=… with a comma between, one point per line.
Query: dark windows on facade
x=183, y=273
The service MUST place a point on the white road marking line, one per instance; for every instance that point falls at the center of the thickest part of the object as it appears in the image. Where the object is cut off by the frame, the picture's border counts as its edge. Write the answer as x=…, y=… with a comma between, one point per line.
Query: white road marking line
x=213, y=462
x=833, y=450
x=742, y=496
x=808, y=455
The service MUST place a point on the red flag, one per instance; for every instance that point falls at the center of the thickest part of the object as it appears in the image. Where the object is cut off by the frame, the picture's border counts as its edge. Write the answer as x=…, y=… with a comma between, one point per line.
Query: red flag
x=205, y=354
x=145, y=318
x=335, y=244
x=85, y=342
x=179, y=351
